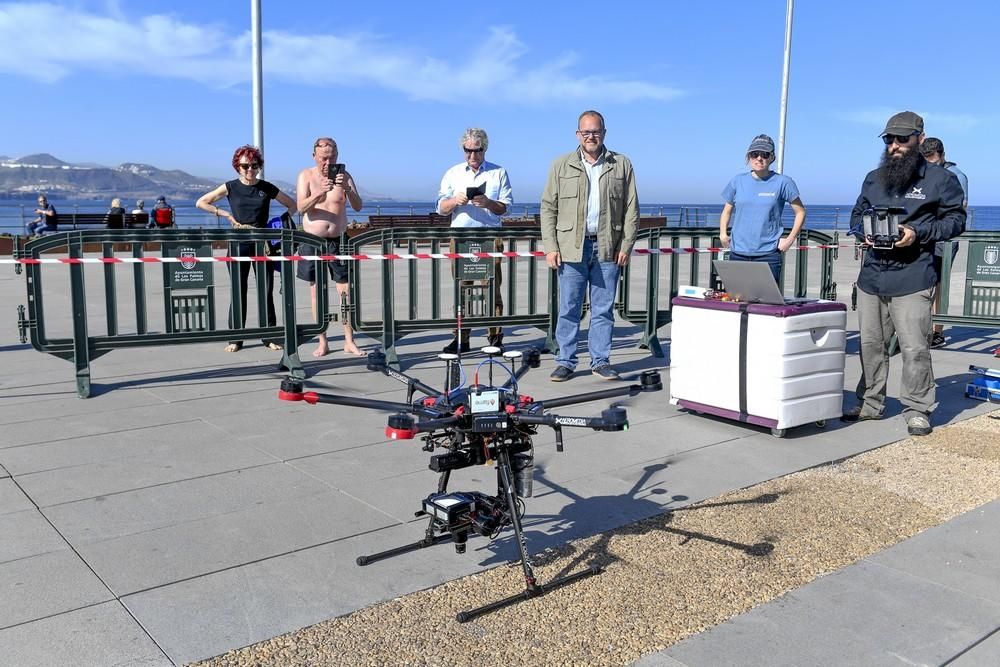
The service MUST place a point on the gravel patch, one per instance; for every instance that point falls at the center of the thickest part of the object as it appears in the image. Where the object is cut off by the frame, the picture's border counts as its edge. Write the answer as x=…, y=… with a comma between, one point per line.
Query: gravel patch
x=673, y=575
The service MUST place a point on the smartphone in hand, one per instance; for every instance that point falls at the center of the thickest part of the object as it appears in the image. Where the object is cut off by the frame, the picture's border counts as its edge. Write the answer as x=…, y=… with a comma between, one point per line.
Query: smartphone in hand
x=332, y=170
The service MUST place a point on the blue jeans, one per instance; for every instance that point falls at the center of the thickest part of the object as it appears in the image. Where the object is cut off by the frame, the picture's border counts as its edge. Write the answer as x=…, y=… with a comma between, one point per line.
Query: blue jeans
x=573, y=280
x=40, y=228
x=772, y=258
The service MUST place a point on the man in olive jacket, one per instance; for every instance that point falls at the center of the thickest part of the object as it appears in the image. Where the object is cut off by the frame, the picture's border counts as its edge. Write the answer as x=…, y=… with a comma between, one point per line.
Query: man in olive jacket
x=589, y=216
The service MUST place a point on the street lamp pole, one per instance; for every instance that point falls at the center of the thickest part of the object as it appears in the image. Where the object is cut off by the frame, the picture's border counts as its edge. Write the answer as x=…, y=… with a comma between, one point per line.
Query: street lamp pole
x=784, y=85
x=258, y=78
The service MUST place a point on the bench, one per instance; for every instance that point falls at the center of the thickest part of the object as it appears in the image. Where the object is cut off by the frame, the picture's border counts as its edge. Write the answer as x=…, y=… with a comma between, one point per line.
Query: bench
x=116, y=221
x=430, y=220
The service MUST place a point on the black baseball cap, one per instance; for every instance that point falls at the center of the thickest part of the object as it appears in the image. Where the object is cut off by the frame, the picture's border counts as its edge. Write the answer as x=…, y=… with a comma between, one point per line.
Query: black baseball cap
x=904, y=124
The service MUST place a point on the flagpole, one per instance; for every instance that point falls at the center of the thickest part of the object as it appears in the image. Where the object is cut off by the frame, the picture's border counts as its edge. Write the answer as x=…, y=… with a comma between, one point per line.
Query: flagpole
x=258, y=78
x=784, y=84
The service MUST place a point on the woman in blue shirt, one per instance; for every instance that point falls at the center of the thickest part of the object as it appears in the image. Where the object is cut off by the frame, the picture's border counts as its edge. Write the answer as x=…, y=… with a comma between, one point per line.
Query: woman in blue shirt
x=758, y=198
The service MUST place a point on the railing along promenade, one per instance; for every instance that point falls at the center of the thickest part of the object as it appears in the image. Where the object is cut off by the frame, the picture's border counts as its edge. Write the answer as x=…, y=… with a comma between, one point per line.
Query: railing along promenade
x=14, y=217
x=400, y=284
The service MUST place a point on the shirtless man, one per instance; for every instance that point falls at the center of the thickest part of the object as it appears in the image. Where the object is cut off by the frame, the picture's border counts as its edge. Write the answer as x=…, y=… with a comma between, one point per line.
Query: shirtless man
x=323, y=205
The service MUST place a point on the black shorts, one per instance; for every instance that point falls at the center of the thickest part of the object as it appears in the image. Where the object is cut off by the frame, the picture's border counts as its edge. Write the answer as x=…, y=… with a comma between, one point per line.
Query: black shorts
x=307, y=270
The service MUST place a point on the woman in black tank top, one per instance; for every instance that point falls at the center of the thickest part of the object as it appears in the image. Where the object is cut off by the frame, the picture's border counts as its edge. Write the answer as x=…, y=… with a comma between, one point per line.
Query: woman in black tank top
x=249, y=208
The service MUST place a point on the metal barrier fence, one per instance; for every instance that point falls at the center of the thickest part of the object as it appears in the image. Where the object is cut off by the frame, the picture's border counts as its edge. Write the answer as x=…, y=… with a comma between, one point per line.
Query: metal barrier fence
x=529, y=298
x=378, y=307
x=981, y=302
x=644, y=291
x=14, y=217
x=653, y=312
x=189, y=299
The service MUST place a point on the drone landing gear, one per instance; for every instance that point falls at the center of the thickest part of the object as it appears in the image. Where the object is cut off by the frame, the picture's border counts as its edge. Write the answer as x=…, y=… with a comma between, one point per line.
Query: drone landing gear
x=429, y=541
x=533, y=591
x=482, y=509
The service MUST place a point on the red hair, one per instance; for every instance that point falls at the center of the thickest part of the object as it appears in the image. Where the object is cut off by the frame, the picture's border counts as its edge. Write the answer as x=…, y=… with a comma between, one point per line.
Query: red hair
x=252, y=153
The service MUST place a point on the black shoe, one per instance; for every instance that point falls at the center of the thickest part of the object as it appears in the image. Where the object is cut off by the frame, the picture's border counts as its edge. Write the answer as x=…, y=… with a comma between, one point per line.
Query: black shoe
x=496, y=340
x=856, y=414
x=606, y=372
x=452, y=347
x=938, y=340
x=561, y=374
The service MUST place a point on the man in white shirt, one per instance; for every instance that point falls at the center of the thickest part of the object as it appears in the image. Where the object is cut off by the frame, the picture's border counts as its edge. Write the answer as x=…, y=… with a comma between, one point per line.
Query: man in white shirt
x=482, y=210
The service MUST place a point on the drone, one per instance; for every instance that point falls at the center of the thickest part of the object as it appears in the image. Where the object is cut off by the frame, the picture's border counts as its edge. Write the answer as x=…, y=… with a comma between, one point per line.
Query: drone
x=474, y=423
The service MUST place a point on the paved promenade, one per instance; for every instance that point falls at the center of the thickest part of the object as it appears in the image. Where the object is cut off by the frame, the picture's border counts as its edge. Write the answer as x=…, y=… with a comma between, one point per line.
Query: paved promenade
x=184, y=511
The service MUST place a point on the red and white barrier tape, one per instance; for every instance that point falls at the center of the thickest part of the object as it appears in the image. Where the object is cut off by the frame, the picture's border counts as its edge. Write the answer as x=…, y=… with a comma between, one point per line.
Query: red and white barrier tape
x=355, y=258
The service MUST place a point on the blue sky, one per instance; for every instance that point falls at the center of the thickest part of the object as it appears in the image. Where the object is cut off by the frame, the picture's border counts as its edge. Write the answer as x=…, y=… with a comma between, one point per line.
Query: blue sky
x=684, y=86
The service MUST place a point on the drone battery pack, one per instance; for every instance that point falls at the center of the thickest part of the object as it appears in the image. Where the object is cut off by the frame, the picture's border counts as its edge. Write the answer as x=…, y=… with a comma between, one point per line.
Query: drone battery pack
x=489, y=423
x=447, y=507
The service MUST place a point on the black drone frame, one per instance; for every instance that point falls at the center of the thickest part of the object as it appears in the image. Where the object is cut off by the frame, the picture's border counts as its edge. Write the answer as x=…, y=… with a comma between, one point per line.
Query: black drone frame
x=472, y=439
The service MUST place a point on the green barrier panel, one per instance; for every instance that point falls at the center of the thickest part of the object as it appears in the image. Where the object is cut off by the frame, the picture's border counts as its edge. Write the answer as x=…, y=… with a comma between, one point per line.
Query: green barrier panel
x=642, y=275
x=521, y=280
x=199, y=314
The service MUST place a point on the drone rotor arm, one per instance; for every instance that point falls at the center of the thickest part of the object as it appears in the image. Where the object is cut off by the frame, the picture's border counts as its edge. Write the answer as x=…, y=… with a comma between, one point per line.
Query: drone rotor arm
x=314, y=397
x=648, y=381
x=428, y=425
x=612, y=419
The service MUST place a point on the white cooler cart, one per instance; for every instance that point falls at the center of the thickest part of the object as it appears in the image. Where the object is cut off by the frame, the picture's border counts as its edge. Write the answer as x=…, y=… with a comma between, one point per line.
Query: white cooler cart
x=775, y=366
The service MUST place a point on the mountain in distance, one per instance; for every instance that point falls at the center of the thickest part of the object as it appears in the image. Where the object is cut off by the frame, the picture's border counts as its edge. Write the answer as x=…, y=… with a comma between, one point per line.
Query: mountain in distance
x=25, y=177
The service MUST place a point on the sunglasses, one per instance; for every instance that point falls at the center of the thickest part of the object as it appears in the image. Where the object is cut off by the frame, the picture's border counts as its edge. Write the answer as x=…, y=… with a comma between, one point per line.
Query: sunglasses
x=470, y=151
x=898, y=138
x=590, y=133
x=760, y=154
x=249, y=165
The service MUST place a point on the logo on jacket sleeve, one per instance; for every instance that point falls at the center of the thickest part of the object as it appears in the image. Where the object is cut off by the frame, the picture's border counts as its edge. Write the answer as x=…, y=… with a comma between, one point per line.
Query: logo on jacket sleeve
x=915, y=193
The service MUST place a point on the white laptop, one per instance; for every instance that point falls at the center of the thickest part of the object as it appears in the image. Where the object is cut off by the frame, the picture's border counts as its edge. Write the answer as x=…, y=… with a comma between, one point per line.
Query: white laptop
x=751, y=282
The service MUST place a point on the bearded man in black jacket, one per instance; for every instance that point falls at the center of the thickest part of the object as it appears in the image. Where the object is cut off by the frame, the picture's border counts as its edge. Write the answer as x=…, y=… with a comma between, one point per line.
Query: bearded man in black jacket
x=896, y=285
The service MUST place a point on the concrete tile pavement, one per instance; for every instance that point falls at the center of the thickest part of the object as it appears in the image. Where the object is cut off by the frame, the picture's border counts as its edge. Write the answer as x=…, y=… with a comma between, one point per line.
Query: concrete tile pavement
x=183, y=511
x=931, y=600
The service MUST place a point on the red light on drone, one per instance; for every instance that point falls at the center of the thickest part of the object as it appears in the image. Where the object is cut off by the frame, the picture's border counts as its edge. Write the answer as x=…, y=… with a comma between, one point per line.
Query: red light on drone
x=400, y=427
x=394, y=433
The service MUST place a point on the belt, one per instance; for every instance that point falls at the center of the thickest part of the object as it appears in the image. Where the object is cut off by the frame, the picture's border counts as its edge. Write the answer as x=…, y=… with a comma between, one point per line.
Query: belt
x=592, y=237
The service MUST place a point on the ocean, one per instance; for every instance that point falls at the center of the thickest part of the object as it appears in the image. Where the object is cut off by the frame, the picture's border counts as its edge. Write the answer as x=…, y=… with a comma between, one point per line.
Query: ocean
x=820, y=217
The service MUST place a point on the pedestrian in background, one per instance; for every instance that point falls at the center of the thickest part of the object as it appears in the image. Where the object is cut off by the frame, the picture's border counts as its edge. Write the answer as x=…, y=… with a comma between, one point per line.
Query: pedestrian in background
x=933, y=151
x=589, y=216
x=754, y=201
x=47, y=220
x=162, y=215
x=250, y=203
x=491, y=197
x=323, y=203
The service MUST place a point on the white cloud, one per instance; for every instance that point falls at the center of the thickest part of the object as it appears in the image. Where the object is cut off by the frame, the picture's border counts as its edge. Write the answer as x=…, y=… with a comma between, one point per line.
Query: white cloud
x=934, y=122
x=47, y=42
